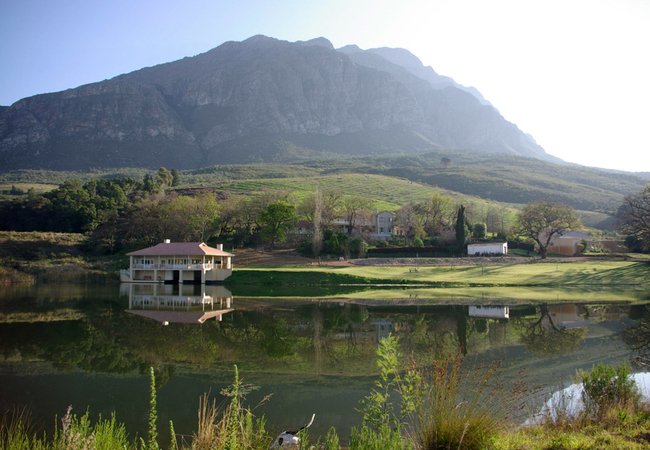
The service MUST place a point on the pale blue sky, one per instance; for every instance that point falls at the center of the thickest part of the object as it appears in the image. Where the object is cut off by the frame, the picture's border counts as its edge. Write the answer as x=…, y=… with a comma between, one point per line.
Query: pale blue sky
x=572, y=73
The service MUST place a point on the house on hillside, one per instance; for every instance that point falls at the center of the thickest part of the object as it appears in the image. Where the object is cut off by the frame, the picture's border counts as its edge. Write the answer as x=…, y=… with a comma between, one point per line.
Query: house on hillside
x=378, y=227
x=383, y=225
x=178, y=263
x=568, y=242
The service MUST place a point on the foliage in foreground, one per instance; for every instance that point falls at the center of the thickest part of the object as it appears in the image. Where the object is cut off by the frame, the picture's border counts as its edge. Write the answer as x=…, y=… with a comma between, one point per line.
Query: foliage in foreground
x=612, y=416
x=451, y=405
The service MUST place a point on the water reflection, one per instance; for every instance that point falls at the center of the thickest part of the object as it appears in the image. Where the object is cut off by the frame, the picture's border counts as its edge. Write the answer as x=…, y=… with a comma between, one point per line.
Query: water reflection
x=167, y=304
x=316, y=355
x=568, y=402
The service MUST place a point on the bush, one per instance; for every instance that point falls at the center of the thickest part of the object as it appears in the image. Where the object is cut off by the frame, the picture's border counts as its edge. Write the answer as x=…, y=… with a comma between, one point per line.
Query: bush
x=357, y=248
x=607, y=387
x=479, y=230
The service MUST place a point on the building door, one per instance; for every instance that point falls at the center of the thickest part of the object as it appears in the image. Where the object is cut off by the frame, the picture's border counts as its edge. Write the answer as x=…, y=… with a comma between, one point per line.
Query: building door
x=176, y=277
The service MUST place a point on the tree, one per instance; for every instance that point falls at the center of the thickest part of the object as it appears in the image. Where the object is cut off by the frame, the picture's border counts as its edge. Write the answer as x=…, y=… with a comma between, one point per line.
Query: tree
x=326, y=203
x=406, y=219
x=461, y=227
x=353, y=206
x=358, y=248
x=634, y=217
x=317, y=241
x=203, y=216
x=164, y=179
x=544, y=337
x=544, y=219
x=438, y=209
x=444, y=162
x=176, y=178
x=276, y=220
x=479, y=231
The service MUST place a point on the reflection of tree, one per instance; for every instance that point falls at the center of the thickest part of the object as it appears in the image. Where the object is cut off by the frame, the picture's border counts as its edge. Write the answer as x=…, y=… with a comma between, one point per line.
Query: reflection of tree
x=543, y=337
x=637, y=338
x=276, y=340
x=462, y=329
x=162, y=373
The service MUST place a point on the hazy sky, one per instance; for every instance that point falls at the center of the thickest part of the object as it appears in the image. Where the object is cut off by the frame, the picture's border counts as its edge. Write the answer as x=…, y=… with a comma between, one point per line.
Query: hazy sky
x=573, y=74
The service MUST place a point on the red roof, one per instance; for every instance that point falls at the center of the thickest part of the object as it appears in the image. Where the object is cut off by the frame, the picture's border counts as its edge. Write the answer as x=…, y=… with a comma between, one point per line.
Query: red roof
x=179, y=248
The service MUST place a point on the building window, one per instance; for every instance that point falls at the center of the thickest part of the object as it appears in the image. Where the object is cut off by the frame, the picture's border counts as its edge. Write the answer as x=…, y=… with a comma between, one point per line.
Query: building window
x=381, y=229
x=381, y=219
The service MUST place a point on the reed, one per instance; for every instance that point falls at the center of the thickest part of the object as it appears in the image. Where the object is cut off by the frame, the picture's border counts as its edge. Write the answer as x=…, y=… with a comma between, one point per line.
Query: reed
x=465, y=404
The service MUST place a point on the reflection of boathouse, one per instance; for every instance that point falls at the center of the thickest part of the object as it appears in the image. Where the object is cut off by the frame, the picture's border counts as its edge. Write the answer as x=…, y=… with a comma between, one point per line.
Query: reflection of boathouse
x=178, y=263
x=177, y=303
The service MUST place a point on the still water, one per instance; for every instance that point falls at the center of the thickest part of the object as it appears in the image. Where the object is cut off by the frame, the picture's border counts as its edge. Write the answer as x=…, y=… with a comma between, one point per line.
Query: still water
x=91, y=346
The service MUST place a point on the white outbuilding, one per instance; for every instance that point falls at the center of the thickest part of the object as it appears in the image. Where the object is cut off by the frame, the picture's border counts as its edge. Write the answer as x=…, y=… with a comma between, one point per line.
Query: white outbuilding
x=491, y=249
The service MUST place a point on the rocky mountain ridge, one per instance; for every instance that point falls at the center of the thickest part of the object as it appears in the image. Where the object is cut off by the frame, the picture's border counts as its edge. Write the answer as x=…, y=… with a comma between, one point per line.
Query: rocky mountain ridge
x=253, y=101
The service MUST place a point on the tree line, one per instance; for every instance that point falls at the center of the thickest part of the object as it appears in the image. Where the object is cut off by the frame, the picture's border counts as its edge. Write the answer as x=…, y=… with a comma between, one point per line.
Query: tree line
x=125, y=212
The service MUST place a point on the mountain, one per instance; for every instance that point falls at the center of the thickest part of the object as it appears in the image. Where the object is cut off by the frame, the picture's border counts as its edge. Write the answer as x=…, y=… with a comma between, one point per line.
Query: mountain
x=259, y=100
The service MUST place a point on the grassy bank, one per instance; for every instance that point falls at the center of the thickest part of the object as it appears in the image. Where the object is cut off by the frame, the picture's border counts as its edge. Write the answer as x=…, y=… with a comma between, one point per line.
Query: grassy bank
x=582, y=273
x=53, y=257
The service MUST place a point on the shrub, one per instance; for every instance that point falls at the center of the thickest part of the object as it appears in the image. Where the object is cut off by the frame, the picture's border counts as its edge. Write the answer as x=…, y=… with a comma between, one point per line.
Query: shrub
x=479, y=230
x=607, y=387
x=358, y=248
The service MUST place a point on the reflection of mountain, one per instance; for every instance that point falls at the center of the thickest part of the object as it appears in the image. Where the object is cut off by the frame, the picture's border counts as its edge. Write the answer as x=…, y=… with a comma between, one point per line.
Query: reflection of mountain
x=177, y=303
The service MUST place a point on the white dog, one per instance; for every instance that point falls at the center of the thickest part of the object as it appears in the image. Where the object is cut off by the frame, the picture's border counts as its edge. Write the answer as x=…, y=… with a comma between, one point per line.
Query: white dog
x=289, y=440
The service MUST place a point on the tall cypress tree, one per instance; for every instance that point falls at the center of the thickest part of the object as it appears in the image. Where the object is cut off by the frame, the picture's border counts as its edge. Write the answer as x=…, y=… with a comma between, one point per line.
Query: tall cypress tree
x=461, y=229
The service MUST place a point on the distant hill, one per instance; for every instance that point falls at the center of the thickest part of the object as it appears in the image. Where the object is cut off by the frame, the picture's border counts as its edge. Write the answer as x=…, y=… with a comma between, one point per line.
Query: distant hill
x=260, y=100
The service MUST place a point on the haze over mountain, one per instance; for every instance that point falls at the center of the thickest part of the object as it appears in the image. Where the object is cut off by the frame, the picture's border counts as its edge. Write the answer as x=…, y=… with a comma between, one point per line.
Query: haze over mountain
x=259, y=100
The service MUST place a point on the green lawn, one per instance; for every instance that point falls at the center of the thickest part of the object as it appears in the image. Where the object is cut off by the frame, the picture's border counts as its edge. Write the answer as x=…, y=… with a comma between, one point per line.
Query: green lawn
x=587, y=273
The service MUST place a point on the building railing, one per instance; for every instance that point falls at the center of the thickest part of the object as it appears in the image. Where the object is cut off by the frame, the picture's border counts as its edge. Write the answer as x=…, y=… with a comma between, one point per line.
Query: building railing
x=206, y=266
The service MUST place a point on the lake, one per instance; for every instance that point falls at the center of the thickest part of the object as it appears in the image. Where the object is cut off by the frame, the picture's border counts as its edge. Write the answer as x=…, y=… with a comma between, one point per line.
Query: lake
x=91, y=346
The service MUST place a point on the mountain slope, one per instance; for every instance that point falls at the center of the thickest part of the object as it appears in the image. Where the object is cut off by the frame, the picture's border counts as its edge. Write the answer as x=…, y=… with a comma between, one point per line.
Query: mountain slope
x=253, y=101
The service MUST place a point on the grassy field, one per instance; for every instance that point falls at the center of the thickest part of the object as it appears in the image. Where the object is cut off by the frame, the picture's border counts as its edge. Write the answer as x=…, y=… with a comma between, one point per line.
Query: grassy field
x=582, y=273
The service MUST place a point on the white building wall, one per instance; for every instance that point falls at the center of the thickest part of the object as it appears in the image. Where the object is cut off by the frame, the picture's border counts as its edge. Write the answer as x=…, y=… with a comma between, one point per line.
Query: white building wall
x=491, y=249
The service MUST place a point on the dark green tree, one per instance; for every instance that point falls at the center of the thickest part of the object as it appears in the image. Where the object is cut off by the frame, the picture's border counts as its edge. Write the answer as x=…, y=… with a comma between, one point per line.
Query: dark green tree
x=461, y=227
x=479, y=231
x=276, y=220
x=176, y=178
x=357, y=248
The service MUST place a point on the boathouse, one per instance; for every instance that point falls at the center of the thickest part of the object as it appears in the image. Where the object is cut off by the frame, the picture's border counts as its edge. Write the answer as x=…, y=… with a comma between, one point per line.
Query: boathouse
x=178, y=263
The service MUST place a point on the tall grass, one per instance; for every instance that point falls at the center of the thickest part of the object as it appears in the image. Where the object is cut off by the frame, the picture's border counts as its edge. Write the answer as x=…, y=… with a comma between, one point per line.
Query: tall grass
x=464, y=405
x=230, y=427
x=16, y=433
